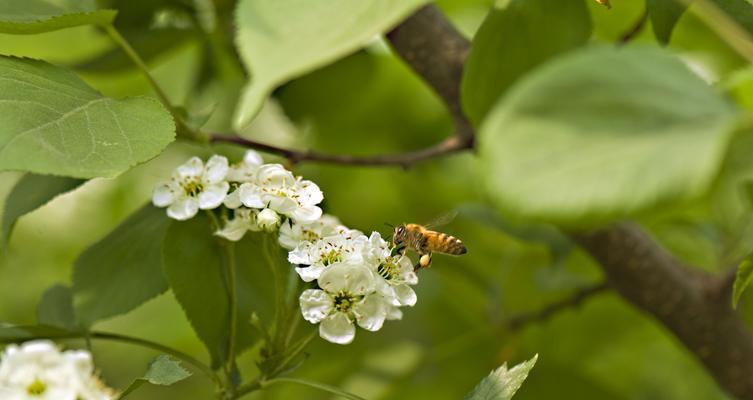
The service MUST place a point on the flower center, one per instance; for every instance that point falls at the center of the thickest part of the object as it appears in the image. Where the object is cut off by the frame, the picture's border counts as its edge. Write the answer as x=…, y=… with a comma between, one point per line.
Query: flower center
x=388, y=270
x=192, y=187
x=344, y=301
x=331, y=257
x=36, y=388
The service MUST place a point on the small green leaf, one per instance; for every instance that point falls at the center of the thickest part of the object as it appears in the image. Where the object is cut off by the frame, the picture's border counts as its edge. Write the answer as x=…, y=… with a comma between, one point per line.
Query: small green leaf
x=163, y=371
x=596, y=135
x=282, y=39
x=19, y=333
x=664, y=15
x=53, y=123
x=37, y=16
x=123, y=270
x=514, y=40
x=501, y=384
x=742, y=280
x=30, y=193
x=56, y=308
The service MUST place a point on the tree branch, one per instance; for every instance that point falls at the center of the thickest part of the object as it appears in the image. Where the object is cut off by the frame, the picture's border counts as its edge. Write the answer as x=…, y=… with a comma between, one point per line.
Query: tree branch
x=693, y=305
x=520, y=321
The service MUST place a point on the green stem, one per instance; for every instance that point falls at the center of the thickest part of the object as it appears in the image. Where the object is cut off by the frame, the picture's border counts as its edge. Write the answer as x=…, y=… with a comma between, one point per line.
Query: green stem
x=277, y=276
x=233, y=298
x=316, y=385
x=181, y=128
x=205, y=369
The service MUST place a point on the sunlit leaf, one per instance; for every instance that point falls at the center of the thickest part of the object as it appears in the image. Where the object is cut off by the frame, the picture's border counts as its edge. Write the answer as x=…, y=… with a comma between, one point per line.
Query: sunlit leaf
x=123, y=270
x=56, y=308
x=501, y=384
x=743, y=279
x=37, y=16
x=30, y=193
x=53, y=123
x=664, y=15
x=163, y=371
x=282, y=39
x=514, y=40
x=597, y=135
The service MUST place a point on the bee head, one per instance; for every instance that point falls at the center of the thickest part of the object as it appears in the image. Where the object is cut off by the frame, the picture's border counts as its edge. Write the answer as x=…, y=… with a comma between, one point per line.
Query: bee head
x=398, y=236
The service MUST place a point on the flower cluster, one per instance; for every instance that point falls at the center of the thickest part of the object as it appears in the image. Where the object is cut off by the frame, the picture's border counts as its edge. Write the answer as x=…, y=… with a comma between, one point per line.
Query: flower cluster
x=359, y=281
x=39, y=370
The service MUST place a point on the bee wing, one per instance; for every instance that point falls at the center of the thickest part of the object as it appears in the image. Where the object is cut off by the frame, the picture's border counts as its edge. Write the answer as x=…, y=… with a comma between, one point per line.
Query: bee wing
x=442, y=219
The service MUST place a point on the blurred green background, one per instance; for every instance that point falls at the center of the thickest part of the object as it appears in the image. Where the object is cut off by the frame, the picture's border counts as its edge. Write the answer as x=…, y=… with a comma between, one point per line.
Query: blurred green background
x=369, y=103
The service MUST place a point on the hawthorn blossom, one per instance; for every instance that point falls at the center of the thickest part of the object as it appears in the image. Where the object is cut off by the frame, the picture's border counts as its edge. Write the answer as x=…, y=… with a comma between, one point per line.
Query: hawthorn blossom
x=344, y=246
x=346, y=297
x=276, y=188
x=268, y=220
x=244, y=220
x=239, y=173
x=193, y=186
x=292, y=234
x=396, y=271
x=39, y=370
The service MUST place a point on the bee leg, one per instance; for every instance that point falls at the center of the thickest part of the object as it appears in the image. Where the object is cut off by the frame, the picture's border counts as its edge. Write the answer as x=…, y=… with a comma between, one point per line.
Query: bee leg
x=423, y=262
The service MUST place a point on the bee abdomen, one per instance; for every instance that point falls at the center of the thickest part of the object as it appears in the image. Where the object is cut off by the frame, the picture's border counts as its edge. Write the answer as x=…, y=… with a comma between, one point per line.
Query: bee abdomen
x=450, y=245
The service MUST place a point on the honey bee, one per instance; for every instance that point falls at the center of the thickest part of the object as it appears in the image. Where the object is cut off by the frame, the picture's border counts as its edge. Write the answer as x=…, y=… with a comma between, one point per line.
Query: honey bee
x=425, y=242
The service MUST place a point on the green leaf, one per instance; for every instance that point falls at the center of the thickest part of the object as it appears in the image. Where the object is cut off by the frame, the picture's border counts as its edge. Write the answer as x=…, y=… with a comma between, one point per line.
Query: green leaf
x=53, y=123
x=37, y=16
x=163, y=371
x=56, y=308
x=282, y=39
x=664, y=15
x=20, y=333
x=501, y=384
x=123, y=270
x=30, y=193
x=597, y=135
x=514, y=40
x=742, y=280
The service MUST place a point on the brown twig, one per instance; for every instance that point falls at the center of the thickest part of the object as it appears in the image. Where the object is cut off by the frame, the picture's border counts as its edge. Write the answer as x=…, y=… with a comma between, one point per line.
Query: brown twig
x=634, y=30
x=519, y=321
x=450, y=145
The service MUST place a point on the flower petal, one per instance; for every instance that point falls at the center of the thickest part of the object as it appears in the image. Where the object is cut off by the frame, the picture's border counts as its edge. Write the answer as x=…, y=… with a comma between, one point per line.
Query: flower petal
x=315, y=305
x=183, y=209
x=354, y=278
x=213, y=195
x=268, y=219
x=337, y=328
x=394, y=313
x=233, y=230
x=232, y=200
x=192, y=168
x=311, y=193
x=252, y=158
x=310, y=273
x=250, y=196
x=306, y=214
x=405, y=295
x=216, y=169
x=163, y=195
x=371, y=312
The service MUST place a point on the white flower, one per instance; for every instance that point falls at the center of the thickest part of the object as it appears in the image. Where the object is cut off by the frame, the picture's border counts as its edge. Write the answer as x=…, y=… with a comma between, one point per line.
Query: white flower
x=346, y=297
x=244, y=220
x=39, y=370
x=193, y=186
x=344, y=246
x=292, y=234
x=277, y=188
x=245, y=171
x=268, y=220
x=396, y=271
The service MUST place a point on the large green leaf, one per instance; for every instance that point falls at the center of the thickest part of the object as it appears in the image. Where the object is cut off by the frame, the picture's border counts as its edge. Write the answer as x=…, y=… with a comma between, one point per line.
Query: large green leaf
x=56, y=308
x=501, y=384
x=282, y=39
x=51, y=122
x=602, y=133
x=664, y=15
x=123, y=270
x=30, y=193
x=37, y=16
x=743, y=279
x=514, y=40
x=193, y=262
